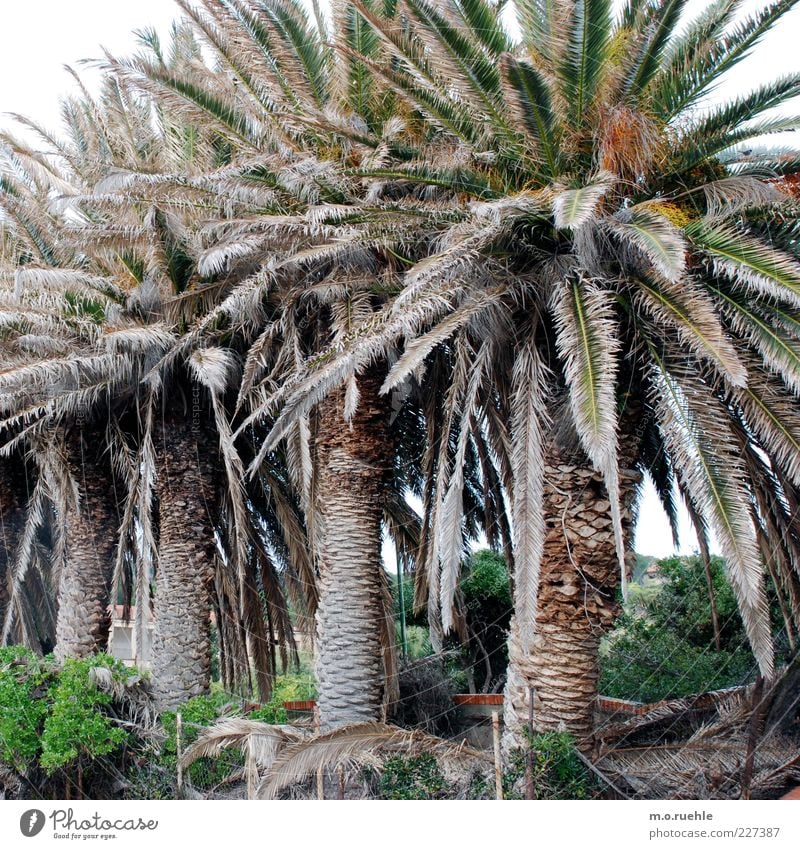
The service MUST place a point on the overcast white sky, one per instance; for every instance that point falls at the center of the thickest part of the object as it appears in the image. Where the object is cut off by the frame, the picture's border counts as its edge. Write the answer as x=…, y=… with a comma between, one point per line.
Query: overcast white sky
x=38, y=37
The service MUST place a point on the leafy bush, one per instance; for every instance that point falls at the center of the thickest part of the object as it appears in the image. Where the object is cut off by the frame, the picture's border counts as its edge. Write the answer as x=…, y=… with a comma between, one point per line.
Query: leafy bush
x=646, y=664
x=298, y=686
x=663, y=645
x=24, y=682
x=202, y=711
x=486, y=581
x=411, y=777
x=486, y=590
x=196, y=714
x=557, y=772
x=77, y=723
x=55, y=716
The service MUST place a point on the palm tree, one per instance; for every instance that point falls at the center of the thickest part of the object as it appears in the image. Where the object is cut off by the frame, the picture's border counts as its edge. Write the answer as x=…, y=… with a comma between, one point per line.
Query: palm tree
x=285, y=157
x=91, y=538
x=617, y=278
x=130, y=278
x=13, y=498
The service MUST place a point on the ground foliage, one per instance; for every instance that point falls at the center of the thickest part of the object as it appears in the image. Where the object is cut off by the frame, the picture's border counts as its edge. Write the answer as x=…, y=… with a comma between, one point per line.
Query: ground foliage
x=663, y=646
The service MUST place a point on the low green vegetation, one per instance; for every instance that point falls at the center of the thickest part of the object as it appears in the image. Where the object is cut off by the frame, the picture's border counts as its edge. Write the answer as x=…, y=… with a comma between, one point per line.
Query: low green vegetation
x=411, y=777
x=664, y=644
x=556, y=772
x=57, y=717
x=477, y=665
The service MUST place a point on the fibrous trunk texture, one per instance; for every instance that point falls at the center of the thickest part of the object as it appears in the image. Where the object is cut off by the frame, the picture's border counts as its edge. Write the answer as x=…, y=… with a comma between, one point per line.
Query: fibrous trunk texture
x=354, y=463
x=181, y=653
x=577, y=604
x=13, y=498
x=84, y=590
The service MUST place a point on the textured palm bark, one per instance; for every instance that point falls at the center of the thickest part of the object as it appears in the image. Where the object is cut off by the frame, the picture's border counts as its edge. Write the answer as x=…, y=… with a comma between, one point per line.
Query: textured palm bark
x=13, y=498
x=84, y=591
x=354, y=462
x=181, y=652
x=577, y=604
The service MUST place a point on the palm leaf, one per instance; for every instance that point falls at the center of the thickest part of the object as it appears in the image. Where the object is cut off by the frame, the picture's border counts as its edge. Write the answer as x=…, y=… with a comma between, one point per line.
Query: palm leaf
x=362, y=743
x=656, y=238
x=583, y=63
x=747, y=260
x=528, y=422
x=707, y=462
x=575, y=207
x=692, y=314
x=588, y=344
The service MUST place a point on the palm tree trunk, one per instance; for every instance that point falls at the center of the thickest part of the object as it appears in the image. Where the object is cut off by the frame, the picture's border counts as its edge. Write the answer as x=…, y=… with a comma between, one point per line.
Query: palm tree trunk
x=181, y=653
x=354, y=463
x=13, y=498
x=84, y=589
x=577, y=604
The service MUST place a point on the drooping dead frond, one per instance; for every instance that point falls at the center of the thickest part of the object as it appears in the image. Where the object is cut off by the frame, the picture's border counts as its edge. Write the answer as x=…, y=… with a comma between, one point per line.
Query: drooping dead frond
x=529, y=421
x=363, y=743
x=257, y=740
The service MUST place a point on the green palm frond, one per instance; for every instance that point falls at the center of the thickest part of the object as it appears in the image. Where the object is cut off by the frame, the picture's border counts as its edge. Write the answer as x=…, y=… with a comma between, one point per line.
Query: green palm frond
x=709, y=468
x=749, y=261
x=657, y=22
x=530, y=99
x=542, y=24
x=708, y=50
x=483, y=20
x=693, y=316
x=772, y=414
x=779, y=349
x=652, y=234
x=463, y=62
x=588, y=345
x=575, y=207
x=584, y=60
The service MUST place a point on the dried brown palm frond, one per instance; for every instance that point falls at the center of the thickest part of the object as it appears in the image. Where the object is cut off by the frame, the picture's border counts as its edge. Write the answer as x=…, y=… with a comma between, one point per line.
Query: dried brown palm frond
x=714, y=746
x=365, y=744
x=260, y=741
x=706, y=769
x=696, y=712
x=133, y=703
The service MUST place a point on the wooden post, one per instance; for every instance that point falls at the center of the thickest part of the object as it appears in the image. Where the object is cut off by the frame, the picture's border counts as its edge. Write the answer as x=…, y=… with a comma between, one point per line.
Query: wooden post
x=320, y=771
x=755, y=731
x=529, y=794
x=498, y=766
x=251, y=770
x=179, y=748
x=340, y=776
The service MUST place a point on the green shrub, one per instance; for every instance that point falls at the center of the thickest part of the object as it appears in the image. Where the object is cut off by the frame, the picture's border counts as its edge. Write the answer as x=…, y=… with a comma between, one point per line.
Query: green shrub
x=557, y=772
x=197, y=713
x=53, y=716
x=291, y=687
x=663, y=645
x=411, y=777
x=646, y=663
x=24, y=681
x=77, y=724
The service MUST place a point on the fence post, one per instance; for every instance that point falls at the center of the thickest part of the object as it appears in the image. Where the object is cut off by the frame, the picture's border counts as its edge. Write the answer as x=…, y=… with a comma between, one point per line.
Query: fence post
x=498, y=766
x=531, y=754
x=179, y=748
x=754, y=732
x=320, y=771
